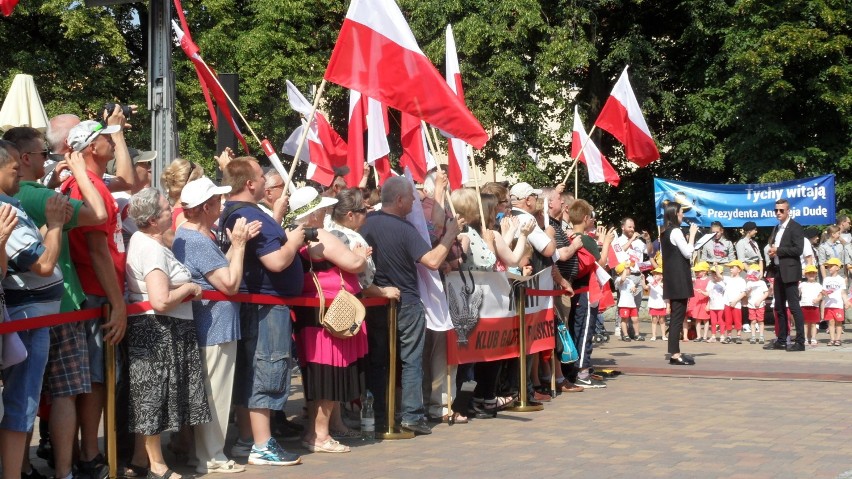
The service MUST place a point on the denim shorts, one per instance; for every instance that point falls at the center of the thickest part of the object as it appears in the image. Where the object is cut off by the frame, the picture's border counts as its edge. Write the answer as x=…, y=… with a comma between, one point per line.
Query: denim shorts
x=22, y=382
x=95, y=340
x=262, y=371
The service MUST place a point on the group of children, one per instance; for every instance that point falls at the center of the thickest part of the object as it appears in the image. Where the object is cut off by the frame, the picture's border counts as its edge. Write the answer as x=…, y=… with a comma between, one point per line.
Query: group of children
x=716, y=309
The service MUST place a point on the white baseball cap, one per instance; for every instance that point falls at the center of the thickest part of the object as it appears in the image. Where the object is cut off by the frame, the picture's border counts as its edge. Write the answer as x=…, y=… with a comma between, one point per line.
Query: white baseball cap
x=198, y=191
x=523, y=190
x=85, y=133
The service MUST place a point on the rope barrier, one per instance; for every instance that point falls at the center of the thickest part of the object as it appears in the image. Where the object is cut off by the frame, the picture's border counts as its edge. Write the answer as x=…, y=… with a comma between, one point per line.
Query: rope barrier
x=141, y=307
x=546, y=292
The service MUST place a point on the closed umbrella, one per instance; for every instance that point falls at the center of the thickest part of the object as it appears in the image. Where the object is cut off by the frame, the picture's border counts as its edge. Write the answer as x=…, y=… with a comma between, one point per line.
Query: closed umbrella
x=22, y=106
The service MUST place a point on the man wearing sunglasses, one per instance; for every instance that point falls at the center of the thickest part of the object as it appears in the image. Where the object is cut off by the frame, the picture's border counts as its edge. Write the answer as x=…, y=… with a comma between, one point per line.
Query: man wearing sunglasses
x=786, y=244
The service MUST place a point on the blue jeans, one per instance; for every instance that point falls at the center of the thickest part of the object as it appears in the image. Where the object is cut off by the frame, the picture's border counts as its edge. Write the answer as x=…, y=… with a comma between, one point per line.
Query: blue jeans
x=22, y=382
x=411, y=330
x=263, y=364
x=581, y=323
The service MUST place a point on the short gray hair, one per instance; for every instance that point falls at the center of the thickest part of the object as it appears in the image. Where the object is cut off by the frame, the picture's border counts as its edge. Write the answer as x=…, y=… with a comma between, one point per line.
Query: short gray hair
x=144, y=206
x=394, y=188
x=7, y=152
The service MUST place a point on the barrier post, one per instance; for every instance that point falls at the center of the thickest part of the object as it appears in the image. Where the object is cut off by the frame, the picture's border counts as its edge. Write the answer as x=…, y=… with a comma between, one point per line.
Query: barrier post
x=522, y=404
x=109, y=412
x=391, y=432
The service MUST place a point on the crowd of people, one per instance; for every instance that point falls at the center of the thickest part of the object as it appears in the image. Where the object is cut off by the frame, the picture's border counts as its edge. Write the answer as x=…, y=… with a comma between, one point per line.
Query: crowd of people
x=88, y=230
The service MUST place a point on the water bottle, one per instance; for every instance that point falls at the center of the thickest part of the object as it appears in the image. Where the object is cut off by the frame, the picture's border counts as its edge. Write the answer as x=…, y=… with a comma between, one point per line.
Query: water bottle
x=368, y=419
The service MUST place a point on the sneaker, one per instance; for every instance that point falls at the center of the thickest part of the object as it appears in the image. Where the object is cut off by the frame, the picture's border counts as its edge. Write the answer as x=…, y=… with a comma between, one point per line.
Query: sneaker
x=96, y=468
x=653, y=338
x=727, y=340
x=712, y=340
x=738, y=340
x=665, y=338
x=590, y=383
x=746, y=328
x=761, y=340
x=639, y=338
x=241, y=448
x=419, y=428
x=272, y=455
x=752, y=341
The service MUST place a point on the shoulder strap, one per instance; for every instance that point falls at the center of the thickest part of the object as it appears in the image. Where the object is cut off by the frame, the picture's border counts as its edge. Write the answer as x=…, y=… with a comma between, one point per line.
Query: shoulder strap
x=221, y=235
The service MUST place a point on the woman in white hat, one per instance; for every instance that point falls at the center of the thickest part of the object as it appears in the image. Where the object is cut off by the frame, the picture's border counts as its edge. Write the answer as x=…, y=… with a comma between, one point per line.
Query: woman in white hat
x=332, y=368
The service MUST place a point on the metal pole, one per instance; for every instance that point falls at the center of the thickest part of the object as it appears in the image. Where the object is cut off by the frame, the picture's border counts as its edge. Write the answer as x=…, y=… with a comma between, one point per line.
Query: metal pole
x=161, y=88
x=109, y=418
x=391, y=433
x=522, y=404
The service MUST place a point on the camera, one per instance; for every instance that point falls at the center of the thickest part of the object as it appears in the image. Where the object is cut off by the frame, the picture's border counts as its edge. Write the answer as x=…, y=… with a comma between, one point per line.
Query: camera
x=310, y=233
x=110, y=107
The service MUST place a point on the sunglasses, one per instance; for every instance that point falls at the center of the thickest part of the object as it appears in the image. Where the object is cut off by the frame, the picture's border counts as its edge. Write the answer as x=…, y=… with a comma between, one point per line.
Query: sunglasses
x=780, y=210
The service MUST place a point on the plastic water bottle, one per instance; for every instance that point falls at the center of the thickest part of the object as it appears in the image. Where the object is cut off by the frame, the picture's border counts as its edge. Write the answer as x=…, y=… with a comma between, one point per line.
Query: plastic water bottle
x=368, y=419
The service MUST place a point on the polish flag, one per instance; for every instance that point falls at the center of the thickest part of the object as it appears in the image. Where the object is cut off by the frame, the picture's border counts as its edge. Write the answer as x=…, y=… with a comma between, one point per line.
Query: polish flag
x=7, y=6
x=367, y=114
x=377, y=55
x=600, y=169
x=457, y=153
x=622, y=117
x=326, y=149
x=415, y=153
x=206, y=77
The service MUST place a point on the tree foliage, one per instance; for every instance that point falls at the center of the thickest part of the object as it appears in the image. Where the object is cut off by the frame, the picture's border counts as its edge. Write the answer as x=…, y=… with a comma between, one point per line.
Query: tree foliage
x=733, y=90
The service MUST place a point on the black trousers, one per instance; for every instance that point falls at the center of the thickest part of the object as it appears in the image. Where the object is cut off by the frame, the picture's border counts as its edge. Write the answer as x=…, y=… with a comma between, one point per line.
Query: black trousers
x=676, y=323
x=787, y=296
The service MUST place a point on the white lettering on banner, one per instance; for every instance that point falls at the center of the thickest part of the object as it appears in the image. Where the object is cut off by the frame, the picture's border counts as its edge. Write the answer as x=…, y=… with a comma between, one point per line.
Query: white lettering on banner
x=800, y=191
x=741, y=214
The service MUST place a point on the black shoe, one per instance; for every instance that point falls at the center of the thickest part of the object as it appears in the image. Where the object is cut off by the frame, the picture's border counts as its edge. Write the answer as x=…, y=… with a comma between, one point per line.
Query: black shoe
x=96, y=468
x=682, y=360
x=774, y=345
x=34, y=474
x=420, y=427
x=796, y=347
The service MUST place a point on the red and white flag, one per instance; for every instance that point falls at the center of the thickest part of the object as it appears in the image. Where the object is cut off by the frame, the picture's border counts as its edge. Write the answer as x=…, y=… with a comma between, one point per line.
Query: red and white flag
x=7, y=6
x=206, y=77
x=622, y=117
x=377, y=55
x=600, y=169
x=367, y=114
x=325, y=151
x=457, y=154
x=415, y=152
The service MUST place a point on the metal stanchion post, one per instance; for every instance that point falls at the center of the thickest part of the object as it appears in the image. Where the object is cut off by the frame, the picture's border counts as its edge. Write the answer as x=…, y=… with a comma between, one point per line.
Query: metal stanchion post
x=392, y=433
x=522, y=404
x=109, y=418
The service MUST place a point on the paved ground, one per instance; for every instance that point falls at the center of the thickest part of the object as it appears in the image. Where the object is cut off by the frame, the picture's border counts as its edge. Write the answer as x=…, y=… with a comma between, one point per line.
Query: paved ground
x=741, y=412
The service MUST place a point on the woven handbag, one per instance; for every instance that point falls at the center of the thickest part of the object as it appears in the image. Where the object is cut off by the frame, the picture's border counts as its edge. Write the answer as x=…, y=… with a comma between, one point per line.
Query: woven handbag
x=344, y=315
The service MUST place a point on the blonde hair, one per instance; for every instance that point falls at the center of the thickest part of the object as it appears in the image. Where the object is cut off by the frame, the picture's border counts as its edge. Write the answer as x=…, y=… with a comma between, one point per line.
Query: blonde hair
x=464, y=201
x=177, y=175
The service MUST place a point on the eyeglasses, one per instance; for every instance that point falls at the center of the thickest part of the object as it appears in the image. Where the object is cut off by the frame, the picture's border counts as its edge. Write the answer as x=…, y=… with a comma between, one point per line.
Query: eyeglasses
x=780, y=210
x=276, y=186
x=43, y=153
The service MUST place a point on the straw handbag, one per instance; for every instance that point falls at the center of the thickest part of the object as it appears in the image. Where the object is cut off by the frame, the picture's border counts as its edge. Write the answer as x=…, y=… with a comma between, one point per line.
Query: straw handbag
x=344, y=315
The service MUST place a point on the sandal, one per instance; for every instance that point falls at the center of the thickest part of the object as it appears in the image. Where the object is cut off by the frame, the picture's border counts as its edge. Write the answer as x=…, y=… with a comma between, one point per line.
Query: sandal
x=132, y=470
x=226, y=467
x=169, y=473
x=330, y=445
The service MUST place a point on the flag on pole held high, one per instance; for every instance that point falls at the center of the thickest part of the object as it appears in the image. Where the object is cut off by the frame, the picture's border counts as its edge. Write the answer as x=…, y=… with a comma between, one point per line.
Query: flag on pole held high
x=457, y=152
x=622, y=117
x=206, y=77
x=377, y=55
x=367, y=114
x=599, y=168
x=7, y=6
x=415, y=152
x=326, y=149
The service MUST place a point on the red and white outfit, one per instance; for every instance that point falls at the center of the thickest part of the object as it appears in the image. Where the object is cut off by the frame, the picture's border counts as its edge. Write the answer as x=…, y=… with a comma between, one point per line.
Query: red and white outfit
x=756, y=302
x=656, y=303
x=697, y=308
x=808, y=294
x=833, y=301
x=716, y=303
x=627, y=307
x=735, y=286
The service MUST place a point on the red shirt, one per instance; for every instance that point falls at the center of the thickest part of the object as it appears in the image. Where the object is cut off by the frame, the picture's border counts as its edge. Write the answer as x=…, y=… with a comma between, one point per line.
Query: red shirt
x=111, y=228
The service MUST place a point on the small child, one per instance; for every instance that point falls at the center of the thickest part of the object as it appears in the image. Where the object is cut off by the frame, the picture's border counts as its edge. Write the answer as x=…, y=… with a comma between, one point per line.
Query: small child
x=716, y=303
x=810, y=293
x=697, y=307
x=834, y=294
x=757, y=294
x=735, y=292
x=627, y=307
x=656, y=303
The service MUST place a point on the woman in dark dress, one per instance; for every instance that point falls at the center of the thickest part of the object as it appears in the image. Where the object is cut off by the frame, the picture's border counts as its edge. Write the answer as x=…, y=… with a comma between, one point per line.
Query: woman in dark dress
x=677, y=280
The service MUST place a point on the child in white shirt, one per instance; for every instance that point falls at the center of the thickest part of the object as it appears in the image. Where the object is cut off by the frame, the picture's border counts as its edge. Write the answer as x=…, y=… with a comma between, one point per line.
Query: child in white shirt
x=627, y=307
x=810, y=294
x=716, y=304
x=834, y=301
x=757, y=294
x=656, y=304
x=735, y=292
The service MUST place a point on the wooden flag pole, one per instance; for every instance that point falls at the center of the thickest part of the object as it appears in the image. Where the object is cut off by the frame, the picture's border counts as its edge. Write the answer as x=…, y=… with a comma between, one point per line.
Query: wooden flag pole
x=231, y=101
x=305, y=134
x=482, y=221
x=430, y=142
x=576, y=182
x=577, y=158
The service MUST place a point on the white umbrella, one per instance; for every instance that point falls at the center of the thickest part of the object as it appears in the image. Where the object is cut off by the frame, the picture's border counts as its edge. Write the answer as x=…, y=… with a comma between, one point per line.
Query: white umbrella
x=22, y=106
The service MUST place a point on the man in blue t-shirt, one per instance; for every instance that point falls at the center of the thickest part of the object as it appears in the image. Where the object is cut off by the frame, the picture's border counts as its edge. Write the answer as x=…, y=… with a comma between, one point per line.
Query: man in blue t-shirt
x=271, y=266
x=397, y=248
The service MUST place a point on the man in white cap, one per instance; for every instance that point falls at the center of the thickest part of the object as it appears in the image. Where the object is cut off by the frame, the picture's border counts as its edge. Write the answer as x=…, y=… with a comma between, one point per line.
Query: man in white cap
x=99, y=258
x=524, y=198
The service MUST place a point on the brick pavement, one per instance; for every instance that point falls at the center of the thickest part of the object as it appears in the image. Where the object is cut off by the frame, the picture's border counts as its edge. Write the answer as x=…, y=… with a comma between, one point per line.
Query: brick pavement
x=741, y=412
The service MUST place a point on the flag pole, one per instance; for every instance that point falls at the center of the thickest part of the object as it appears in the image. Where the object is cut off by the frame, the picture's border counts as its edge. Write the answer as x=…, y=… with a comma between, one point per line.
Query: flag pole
x=431, y=144
x=577, y=158
x=231, y=101
x=478, y=194
x=304, y=136
x=576, y=182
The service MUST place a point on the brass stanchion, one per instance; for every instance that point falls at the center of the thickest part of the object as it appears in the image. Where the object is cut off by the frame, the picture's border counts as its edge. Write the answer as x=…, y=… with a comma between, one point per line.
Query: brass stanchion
x=109, y=417
x=522, y=405
x=392, y=433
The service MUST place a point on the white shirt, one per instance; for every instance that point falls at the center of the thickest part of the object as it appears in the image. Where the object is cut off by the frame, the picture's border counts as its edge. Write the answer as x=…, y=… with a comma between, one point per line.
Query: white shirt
x=780, y=232
x=634, y=251
x=835, y=284
x=626, y=288
x=655, y=295
x=676, y=238
x=809, y=291
x=756, y=290
x=734, y=287
x=716, y=293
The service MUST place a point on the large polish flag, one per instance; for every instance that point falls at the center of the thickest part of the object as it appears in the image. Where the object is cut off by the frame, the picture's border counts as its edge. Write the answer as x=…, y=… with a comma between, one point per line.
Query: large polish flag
x=367, y=114
x=600, y=169
x=377, y=55
x=622, y=117
x=415, y=153
x=457, y=154
x=326, y=149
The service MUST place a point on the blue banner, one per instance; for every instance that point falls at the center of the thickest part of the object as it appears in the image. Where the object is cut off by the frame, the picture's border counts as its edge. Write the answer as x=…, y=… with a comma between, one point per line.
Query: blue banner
x=811, y=201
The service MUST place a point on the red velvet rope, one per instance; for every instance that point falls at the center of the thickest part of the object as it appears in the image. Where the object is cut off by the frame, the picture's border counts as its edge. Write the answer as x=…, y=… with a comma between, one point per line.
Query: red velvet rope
x=546, y=292
x=141, y=307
